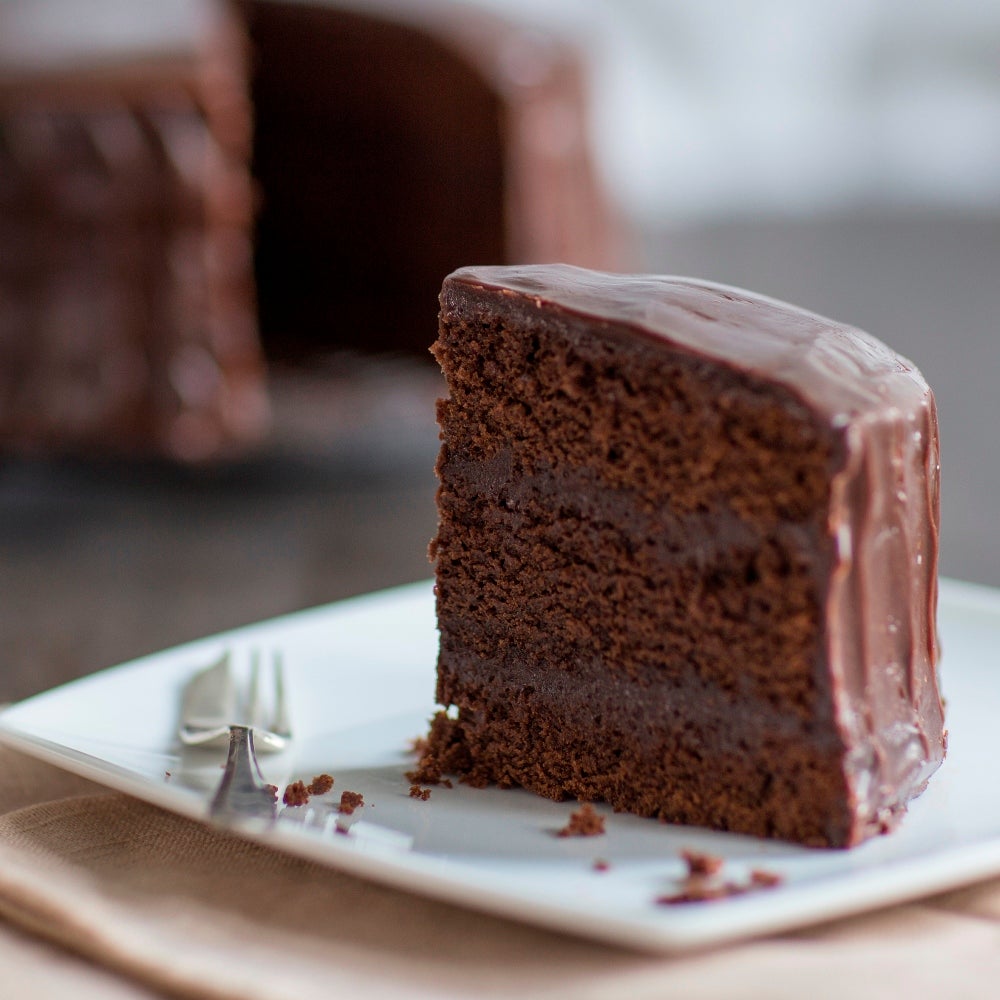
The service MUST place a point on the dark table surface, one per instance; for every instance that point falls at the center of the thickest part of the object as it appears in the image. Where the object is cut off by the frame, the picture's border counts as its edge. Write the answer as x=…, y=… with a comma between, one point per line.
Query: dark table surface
x=104, y=561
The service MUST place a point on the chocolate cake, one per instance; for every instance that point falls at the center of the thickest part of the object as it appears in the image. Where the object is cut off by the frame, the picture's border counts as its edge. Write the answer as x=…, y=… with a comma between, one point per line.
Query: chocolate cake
x=397, y=141
x=687, y=553
x=127, y=319
x=191, y=189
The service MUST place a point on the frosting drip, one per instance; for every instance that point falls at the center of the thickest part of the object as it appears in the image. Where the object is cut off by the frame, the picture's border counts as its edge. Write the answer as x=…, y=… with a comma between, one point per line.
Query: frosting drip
x=882, y=635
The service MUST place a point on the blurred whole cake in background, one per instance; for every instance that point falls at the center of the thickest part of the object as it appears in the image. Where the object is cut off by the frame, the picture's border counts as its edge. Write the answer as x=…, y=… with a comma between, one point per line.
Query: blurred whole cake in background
x=126, y=298
x=191, y=191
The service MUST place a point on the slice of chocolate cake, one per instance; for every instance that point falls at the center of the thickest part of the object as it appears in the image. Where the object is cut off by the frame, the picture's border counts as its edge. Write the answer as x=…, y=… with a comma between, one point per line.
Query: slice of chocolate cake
x=687, y=554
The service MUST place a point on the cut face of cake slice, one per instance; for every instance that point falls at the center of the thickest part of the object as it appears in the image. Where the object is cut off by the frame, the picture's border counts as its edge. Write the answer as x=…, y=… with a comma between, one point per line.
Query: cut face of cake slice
x=687, y=553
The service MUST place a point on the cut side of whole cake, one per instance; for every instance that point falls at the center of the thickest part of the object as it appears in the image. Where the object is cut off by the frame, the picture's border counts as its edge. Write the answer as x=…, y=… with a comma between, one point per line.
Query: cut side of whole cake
x=687, y=554
x=127, y=315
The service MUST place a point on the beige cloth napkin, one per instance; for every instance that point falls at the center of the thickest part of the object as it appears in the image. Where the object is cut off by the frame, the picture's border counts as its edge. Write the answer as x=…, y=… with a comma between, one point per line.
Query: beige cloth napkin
x=145, y=903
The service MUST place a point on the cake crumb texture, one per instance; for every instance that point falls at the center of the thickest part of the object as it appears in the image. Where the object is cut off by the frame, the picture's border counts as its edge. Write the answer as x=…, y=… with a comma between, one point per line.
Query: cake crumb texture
x=583, y=822
x=321, y=784
x=699, y=863
x=296, y=794
x=349, y=801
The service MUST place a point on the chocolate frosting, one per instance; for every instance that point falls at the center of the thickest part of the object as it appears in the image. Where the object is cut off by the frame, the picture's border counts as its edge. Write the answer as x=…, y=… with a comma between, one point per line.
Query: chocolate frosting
x=837, y=370
x=880, y=592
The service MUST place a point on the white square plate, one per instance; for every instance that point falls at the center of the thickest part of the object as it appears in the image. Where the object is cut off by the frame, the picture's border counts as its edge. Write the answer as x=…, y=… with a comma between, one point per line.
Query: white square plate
x=361, y=679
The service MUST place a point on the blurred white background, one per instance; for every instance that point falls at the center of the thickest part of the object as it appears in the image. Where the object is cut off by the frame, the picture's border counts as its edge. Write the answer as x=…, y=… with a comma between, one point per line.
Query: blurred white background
x=728, y=107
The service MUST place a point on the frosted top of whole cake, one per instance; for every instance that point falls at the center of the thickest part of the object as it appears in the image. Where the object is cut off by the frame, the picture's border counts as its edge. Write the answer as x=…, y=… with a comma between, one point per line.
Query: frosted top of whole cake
x=46, y=37
x=839, y=370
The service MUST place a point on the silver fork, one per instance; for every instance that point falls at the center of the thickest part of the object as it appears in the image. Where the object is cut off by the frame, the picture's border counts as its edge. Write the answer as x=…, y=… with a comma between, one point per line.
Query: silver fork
x=211, y=704
x=243, y=794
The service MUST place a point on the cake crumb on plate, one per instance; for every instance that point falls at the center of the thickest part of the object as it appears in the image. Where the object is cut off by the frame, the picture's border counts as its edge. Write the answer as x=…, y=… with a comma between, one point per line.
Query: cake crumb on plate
x=584, y=822
x=296, y=794
x=321, y=784
x=700, y=863
x=349, y=801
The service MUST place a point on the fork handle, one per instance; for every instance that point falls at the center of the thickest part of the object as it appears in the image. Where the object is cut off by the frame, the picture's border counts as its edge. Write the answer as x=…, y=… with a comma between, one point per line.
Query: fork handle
x=243, y=793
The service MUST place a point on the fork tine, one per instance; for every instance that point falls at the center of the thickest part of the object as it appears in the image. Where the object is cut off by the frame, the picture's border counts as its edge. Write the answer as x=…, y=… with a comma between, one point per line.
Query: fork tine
x=254, y=706
x=209, y=699
x=210, y=704
x=281, y=723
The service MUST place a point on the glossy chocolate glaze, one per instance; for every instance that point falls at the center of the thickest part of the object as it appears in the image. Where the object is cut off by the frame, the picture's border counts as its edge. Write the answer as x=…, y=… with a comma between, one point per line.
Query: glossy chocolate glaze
x=879, y=589
x=837, y=370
